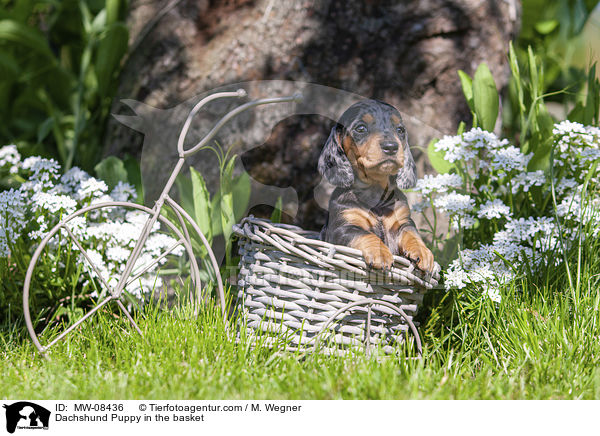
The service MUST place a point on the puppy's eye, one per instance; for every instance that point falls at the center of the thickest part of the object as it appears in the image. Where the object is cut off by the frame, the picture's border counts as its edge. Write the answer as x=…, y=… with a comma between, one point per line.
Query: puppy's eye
x=360, y=128
x=401, y=130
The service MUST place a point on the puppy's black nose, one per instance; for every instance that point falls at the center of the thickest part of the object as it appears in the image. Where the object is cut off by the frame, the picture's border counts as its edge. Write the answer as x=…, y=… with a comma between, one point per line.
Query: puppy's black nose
x=389, y=147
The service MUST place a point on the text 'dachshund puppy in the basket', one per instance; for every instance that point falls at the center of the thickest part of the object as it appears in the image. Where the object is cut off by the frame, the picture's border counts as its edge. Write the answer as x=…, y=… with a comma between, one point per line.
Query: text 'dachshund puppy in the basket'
x=368, y=159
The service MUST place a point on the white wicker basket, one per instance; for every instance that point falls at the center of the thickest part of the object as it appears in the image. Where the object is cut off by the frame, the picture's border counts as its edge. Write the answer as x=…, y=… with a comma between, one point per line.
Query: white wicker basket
x=317, y=293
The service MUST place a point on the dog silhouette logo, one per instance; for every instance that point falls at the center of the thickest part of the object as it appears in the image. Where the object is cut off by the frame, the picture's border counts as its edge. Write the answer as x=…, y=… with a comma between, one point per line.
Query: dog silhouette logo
x=26, y=415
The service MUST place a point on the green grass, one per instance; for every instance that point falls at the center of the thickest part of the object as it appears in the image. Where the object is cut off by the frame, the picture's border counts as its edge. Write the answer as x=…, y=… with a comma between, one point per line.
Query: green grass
x=540, y=342
x=528, y=347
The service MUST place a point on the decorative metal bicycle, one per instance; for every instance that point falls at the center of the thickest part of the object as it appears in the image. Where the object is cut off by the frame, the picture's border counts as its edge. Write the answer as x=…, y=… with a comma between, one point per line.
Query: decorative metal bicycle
x=180, y=252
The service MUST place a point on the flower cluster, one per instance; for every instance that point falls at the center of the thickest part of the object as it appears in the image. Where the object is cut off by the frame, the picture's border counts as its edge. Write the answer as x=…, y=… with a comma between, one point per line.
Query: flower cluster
x=504, y=209
x=107, y=235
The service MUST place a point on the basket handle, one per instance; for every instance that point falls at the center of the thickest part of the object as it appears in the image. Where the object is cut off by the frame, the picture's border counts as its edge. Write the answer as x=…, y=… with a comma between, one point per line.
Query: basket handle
x=370, y=302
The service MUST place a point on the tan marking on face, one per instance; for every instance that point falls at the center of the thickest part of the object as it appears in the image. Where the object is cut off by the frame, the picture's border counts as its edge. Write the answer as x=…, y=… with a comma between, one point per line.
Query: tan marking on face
x=373, y=250
x=395, y=119
x=368, y=118
x=412, y=246
x=396, y=218
x=360, y=217
x=348, y=145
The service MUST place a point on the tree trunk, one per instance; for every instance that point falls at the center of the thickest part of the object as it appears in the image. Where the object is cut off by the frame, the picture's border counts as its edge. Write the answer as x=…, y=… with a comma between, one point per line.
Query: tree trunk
x=406, y=53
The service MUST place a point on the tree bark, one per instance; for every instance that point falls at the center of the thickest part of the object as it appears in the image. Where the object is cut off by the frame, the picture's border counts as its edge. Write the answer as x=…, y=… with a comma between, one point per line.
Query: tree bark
x=406, y=53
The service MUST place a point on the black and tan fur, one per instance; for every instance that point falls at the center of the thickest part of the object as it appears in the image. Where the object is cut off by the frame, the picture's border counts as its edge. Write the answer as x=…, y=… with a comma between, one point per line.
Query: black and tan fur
x=368, y=159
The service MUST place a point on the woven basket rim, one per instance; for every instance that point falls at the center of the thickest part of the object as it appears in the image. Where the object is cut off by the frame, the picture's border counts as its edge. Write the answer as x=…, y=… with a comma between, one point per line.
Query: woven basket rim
x=341, y=254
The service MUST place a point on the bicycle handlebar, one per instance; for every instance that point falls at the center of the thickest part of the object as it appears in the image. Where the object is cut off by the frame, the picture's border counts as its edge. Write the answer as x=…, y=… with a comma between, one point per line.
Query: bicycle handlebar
x=297, y=97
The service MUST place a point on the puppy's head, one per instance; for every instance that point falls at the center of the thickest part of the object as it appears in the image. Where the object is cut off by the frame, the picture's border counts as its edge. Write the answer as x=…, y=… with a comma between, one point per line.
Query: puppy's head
x=369, y=141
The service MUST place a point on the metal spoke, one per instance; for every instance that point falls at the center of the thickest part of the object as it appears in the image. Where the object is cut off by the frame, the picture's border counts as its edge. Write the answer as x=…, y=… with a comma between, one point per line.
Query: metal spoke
x=150, y=265
x=82, y=319
x=129, y=317
x=88, y=258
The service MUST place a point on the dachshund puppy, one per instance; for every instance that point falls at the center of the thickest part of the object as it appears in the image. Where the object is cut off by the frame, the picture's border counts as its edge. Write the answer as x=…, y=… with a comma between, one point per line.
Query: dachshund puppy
x=367, y=158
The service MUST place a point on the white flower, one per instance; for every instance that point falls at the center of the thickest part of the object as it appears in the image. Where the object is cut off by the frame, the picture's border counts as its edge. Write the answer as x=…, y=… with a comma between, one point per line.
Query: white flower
x=44, y=174
x=101, y=198
x=573, y=141
x=90, y=188
x=454, y=149
x=520, y=229
x=53, y=203
x=479, y=138
x=454, y=203
x=38, y=164
x=456, y=277
x=97, y=261
x=509, y=159
x=438, y=183
x=71, y=180
x=570, y=205
x=10, y=157
x=527, y=180
x=492, y=293
x=533, y=240
x=494, y=209
x=572, y=209
x=12, y=219
x=117, y=253
x=158, y=243
x=123, y=192
x=507, y=249
x=565, y=184
x=568, y=127
x=462, y=222
x=590, y=155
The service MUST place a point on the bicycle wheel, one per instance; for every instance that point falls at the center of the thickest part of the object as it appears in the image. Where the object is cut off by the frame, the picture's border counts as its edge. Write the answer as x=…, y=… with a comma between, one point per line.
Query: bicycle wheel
x=85, y=260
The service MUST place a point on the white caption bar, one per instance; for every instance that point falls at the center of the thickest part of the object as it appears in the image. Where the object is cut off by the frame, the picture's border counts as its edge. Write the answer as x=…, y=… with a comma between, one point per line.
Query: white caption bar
x=307, y=418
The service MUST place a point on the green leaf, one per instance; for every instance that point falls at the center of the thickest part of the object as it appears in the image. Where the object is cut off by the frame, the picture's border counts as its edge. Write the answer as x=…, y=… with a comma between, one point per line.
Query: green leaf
x=450, y=250
x=436, y=158
x=99, y=22
x=111, y=49
x=467, y=87
x=485, y=98
x=29, y=37
x=546, y=27
x=201, y=203
x=533, y=74
x=184, y=189
x=590, y=114
x=44, y=129
x=112, y=171
x=241, y=195
x=276, y=215
x=577, y=114
x=134, y=176
x=517, y=82
x=112, y=11
x=541, y=157
x=9, y=67
x=227, y=215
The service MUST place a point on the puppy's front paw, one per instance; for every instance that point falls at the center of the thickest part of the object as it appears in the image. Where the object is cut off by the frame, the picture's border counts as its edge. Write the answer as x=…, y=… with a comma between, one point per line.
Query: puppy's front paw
x=412, y=246
x=423, y=256
x=376, y=253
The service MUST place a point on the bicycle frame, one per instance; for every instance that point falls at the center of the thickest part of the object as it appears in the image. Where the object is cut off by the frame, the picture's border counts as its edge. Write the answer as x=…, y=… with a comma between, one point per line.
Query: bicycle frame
x=183, y=154
x=154, y=214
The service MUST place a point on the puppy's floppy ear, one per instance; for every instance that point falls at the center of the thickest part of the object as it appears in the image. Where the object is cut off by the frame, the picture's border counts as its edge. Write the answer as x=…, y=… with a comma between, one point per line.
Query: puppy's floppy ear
x=333, y=163
x=407, y=176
